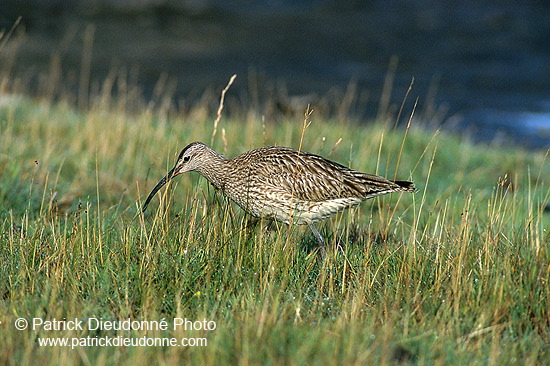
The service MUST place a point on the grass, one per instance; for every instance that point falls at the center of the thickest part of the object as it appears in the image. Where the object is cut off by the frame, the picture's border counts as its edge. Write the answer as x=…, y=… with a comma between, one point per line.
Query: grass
x=457, y=273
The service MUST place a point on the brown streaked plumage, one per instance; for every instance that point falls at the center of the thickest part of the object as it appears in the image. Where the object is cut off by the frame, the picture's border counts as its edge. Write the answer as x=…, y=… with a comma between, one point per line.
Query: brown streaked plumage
x=283, y=184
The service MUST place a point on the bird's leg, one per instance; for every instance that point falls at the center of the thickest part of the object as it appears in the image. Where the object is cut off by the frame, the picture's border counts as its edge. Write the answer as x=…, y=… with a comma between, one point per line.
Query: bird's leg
x=318, y=236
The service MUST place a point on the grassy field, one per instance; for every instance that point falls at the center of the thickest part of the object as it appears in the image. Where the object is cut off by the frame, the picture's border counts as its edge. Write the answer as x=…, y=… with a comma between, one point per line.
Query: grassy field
x=457, y=273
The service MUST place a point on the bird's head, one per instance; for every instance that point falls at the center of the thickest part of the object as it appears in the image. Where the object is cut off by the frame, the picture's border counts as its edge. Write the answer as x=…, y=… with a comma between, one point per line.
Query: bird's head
x=189, y=159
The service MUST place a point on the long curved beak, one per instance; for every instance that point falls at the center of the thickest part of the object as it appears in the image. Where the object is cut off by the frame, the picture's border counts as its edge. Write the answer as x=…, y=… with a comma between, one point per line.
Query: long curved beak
x=159, y=185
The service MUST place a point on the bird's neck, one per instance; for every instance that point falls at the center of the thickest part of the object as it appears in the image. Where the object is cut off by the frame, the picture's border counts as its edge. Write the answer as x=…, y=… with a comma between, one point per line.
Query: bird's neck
x=214, y=169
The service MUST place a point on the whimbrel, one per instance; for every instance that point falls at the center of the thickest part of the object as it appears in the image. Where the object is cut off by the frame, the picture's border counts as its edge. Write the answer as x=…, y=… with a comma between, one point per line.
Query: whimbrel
x=281, y=183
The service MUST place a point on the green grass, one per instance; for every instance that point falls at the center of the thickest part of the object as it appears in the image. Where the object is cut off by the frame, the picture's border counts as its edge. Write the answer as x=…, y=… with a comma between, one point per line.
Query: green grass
x=457, y=273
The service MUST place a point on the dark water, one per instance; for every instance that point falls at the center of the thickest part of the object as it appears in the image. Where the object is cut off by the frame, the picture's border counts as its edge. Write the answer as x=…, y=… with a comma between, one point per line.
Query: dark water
x=490, y=60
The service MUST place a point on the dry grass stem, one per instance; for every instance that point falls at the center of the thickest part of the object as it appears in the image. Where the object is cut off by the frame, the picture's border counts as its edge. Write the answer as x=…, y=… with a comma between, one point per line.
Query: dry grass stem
x=220, y=108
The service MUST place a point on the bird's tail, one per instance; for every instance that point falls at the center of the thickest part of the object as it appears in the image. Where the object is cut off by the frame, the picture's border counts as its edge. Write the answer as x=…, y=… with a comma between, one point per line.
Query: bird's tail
x=405, y=186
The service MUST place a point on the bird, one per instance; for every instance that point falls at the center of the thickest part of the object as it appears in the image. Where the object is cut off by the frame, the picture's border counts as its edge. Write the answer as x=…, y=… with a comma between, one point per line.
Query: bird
x=281, y=183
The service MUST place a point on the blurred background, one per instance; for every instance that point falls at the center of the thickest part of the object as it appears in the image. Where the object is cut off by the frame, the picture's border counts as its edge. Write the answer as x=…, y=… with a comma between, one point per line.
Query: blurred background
x=481, y=68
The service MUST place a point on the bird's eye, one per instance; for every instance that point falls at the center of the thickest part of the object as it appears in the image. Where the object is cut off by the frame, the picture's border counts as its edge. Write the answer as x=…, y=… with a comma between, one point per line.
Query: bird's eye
x=186, y=159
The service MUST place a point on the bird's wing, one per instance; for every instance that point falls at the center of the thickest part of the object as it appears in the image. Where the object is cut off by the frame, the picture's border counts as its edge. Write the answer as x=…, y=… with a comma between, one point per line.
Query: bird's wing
x=313, y=178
